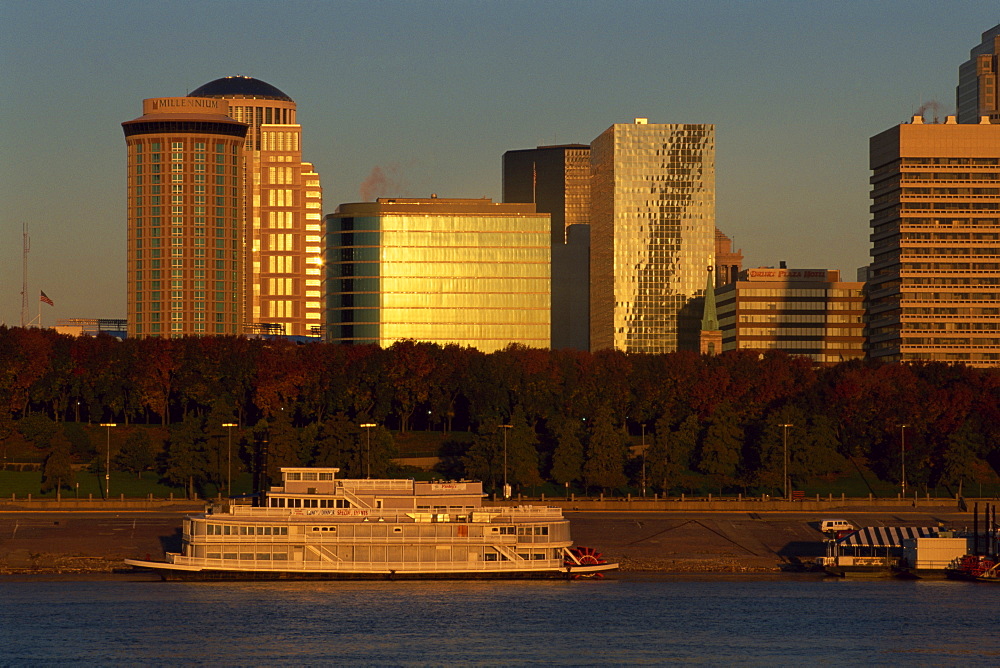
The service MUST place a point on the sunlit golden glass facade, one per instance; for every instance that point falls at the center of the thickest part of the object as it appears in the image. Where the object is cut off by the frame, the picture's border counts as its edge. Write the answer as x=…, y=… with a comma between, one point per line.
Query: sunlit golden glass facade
x=652, y=234
x=185, y=219
x=284, y=211
x=468, y=272
x=934, y=279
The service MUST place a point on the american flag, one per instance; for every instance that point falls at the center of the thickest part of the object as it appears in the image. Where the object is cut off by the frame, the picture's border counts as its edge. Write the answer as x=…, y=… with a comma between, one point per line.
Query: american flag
x=45, y=298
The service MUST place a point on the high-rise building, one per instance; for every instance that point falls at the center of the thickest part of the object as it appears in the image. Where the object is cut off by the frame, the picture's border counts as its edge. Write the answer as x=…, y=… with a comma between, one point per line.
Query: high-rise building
x=652, y=234
x=284, y=210
x=978, y=91
x=185, y=218
x=934, y=280
x=462, y=271
x=808, y=312
x=556, y=179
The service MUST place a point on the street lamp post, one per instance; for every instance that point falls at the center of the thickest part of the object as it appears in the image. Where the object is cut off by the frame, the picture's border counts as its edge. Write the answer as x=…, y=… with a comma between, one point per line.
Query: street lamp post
x=506, y=487
x=902, y=456
x=643, y=425
x=784, y=440
x=229, y=478
x=107, y=467
x=367, y=426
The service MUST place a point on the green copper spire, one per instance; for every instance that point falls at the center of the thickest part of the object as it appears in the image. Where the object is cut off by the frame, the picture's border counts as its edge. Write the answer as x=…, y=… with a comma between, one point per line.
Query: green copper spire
x=709, y=318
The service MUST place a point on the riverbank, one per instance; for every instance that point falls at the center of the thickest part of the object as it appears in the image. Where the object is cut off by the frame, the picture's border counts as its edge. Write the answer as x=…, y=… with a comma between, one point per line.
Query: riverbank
x=56, y=542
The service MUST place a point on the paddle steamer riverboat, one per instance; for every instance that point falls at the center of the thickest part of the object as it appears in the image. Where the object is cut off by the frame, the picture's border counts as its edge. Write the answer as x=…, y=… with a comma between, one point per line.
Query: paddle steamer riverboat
x=316, y=526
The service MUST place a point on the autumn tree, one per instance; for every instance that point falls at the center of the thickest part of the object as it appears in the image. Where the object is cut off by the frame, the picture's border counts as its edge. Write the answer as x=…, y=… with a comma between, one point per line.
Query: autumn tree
x=607, y=452
x=567, y=458
x=58, y=468
x=670, y=453
x=136, y=453
x=186, y=460
x=721, y=446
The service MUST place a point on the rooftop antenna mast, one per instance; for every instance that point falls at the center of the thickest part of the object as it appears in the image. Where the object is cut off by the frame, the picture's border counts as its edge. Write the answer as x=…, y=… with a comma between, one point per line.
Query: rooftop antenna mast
x=24, y=278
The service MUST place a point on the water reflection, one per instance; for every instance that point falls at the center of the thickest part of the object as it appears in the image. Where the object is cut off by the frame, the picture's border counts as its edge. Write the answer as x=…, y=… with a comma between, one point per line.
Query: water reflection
x=635, y=620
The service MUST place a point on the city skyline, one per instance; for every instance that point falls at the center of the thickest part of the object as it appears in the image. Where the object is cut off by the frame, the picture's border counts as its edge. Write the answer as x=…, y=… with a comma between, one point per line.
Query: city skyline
x=407, y=100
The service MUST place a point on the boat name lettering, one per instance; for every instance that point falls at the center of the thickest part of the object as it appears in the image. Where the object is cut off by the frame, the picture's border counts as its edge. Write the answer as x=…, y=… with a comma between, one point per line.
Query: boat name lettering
x=447, y=485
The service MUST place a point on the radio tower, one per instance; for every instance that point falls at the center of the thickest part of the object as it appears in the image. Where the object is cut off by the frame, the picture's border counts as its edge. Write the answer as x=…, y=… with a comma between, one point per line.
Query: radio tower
x=24, y=279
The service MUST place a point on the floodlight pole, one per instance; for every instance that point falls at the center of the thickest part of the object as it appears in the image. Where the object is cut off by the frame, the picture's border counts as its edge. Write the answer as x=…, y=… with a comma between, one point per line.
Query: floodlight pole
x=367, y=426
x=506, y=487
x=784, y=440
x=229, y=480
x=107, y=467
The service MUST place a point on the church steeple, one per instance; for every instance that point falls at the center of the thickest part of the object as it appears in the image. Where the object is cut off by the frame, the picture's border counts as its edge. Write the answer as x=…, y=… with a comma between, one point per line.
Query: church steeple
x=709, y=318
x=710, y=338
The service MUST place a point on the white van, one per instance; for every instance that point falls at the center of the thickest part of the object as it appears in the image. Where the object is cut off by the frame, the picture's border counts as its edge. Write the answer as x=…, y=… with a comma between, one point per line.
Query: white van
x=830, y=526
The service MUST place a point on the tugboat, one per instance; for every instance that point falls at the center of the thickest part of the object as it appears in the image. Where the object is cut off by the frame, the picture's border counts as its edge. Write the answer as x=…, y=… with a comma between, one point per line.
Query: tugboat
x=318, y=526
x=976, y=566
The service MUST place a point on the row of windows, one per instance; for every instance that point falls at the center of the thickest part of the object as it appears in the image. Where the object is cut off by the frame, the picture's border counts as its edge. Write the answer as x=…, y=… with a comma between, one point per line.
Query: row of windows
x=376, y=553
x=198, y=329
x=791, y=293
x=281, y=502
x=243, y=530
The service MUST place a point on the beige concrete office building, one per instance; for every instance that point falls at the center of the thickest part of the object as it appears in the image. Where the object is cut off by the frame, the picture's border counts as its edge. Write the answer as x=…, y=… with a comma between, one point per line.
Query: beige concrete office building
x=284, y=211
x=652, y=234
x=185, y=177
x=934, y=279
x=449, y=271
x=808, y=312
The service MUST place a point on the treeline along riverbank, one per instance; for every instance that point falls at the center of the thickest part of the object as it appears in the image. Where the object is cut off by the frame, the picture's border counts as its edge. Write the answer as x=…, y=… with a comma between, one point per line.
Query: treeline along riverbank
x=572, y=420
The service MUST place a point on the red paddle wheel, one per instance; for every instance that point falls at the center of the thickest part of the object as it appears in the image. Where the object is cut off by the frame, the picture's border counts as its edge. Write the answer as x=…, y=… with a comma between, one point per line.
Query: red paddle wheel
x=584, y=556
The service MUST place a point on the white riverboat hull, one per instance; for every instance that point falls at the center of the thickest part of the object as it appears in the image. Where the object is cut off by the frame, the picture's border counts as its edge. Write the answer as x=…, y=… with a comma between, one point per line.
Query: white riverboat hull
x=169, y=571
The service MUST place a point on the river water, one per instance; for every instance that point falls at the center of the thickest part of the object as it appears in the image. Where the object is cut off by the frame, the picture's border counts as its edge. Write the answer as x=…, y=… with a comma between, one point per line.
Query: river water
x=625, y=620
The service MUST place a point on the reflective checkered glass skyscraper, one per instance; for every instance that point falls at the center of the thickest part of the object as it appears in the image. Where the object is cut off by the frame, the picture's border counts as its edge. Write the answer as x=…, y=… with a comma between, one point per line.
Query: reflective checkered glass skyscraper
x=652, y=233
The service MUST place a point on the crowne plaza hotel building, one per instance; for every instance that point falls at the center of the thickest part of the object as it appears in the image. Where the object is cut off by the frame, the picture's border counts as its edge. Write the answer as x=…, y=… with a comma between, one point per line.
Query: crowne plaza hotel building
x=185, y=213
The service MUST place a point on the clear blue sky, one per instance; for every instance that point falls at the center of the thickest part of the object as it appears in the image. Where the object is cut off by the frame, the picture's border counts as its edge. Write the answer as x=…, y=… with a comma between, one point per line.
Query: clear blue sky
x=435, y=92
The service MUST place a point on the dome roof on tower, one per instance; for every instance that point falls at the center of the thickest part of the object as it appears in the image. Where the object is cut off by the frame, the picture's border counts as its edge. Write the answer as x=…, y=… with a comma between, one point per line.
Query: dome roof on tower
x=239, y=87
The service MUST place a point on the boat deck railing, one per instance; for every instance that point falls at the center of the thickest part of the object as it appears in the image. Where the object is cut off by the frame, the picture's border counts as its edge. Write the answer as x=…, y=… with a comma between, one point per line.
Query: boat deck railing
x=440, y=514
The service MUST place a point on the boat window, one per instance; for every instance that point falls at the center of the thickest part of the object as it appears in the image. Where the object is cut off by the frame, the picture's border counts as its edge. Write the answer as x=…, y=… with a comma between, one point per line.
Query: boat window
x=507, y=531
x=225, y=529
x=309, y=475
x=397, y=529
x=293, y=476
x=263, y=556
x=326, y=476
x=280, y=556
x=214, y=555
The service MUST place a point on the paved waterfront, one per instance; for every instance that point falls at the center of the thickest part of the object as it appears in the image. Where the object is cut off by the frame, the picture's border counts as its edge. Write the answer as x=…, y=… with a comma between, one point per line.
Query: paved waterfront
x=54, y=541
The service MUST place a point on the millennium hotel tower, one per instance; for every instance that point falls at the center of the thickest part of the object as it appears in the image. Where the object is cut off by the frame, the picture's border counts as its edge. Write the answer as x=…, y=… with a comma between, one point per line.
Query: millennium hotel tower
x=254, y=212
x=185, y=218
